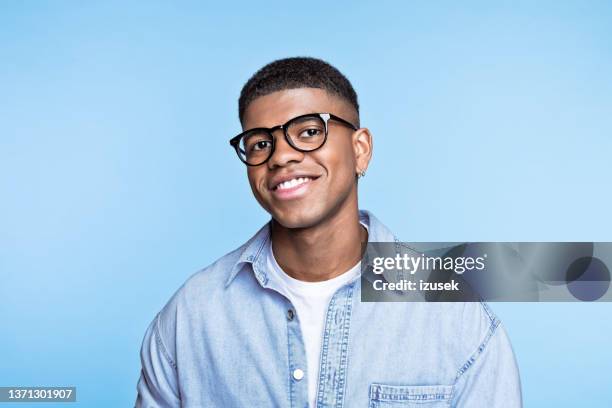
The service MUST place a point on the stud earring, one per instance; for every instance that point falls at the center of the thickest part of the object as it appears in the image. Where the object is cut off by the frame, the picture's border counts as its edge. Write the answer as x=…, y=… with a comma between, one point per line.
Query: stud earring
x=361, y=174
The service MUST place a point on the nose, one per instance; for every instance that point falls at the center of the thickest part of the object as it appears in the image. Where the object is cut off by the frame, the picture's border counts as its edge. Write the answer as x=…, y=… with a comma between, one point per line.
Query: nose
x=283, y=153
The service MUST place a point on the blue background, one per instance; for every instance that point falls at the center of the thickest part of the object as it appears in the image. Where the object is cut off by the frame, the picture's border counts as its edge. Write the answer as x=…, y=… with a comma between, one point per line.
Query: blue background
x=491, y=122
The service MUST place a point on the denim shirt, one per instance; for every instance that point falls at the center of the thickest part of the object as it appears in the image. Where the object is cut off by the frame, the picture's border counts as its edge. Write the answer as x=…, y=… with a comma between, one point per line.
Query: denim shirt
x=226, y=338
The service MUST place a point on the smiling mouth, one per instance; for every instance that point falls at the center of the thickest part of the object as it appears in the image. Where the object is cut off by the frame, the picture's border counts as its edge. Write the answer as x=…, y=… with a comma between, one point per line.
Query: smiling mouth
x=293, y=183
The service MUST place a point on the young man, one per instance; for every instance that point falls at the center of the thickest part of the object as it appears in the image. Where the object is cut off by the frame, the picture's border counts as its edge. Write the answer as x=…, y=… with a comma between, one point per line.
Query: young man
x=279, y=322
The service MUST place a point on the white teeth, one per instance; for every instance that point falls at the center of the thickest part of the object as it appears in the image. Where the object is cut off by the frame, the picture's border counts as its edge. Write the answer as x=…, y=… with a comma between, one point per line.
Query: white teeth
x=292, y=183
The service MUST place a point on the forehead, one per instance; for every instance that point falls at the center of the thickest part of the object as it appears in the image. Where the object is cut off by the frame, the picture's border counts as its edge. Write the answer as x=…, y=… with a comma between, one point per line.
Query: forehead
x=279, y=107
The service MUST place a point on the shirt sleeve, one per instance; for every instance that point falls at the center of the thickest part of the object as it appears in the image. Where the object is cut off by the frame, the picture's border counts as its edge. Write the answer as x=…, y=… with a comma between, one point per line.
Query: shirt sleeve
x=490, y=377
x=158, y=385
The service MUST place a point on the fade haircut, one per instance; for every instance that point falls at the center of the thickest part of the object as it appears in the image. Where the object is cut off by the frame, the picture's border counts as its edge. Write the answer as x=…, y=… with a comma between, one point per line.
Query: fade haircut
x=297, y=72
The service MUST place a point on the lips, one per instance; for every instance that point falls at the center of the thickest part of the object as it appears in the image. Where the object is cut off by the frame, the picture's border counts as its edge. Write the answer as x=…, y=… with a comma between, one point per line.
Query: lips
x=291, y=187
x=294, y=182
x=288, y=181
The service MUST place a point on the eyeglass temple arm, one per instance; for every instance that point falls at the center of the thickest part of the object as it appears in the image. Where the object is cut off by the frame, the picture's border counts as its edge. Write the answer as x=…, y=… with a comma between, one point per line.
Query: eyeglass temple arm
x=345, y=122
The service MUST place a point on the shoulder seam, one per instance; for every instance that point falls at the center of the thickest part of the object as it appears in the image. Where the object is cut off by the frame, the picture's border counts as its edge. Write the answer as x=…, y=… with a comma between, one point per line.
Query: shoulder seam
x=494, y=324
x=489, y=313
x=161, y=345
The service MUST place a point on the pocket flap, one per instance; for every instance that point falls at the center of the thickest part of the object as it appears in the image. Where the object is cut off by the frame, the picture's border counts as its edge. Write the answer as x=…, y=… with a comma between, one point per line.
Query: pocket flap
x=416, y=393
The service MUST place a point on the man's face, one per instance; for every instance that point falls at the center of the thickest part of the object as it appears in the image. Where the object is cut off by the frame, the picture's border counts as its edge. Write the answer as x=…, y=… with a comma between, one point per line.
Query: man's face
x=324, y=179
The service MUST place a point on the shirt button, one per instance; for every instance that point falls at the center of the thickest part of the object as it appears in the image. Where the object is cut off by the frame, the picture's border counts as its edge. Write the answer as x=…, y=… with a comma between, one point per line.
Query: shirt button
x=290, y=314
x=298, y=374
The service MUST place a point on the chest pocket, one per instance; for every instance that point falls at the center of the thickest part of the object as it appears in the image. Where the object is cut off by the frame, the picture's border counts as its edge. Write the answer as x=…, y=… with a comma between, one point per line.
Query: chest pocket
x=410, y=396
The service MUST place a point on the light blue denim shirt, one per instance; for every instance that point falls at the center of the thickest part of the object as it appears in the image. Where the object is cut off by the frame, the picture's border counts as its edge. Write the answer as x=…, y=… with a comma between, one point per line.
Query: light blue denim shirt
x=227, y=339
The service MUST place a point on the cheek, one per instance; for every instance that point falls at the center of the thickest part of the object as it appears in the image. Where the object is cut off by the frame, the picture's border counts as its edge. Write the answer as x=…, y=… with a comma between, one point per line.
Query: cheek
x=340, y=164
x=340, y=170
x=255, y=177
x=251, y=177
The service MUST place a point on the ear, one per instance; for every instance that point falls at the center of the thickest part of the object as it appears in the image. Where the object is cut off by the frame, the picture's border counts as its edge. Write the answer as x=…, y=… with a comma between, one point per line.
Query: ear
x=362, y=149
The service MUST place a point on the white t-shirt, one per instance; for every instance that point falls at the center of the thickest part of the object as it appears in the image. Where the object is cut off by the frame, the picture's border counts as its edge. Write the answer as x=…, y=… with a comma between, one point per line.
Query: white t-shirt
x=310, y=300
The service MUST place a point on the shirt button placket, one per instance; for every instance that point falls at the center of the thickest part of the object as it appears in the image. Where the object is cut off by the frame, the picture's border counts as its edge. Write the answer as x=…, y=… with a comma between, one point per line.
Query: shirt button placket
x=297, y=359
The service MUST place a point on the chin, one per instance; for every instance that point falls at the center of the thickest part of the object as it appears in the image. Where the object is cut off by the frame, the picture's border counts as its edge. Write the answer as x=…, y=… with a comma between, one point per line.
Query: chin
x=297, y=218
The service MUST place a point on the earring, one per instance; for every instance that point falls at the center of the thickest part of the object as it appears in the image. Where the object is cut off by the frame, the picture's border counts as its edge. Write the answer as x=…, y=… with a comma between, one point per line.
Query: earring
x=361, y=174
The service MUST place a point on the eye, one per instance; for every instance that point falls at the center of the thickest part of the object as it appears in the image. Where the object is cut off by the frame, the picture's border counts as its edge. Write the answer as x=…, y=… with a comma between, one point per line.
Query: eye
x=311, y=132
x=260, y=145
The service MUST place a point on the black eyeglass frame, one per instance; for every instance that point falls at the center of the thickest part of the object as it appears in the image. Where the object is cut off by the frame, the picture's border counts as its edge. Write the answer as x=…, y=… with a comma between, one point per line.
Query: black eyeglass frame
x=235, y=141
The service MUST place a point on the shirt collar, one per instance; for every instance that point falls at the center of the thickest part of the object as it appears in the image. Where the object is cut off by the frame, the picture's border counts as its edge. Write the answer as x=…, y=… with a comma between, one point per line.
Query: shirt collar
x=252, y=250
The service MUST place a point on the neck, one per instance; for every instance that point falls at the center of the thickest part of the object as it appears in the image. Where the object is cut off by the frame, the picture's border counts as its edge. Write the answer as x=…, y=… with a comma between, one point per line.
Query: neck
x=323, y=251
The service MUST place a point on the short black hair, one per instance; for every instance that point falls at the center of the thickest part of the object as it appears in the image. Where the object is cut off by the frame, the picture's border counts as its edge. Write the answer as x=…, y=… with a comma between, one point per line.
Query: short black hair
x=296, y=72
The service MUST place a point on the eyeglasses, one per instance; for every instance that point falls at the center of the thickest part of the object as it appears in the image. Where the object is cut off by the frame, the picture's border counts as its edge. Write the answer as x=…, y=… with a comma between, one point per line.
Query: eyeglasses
x=305, y=133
